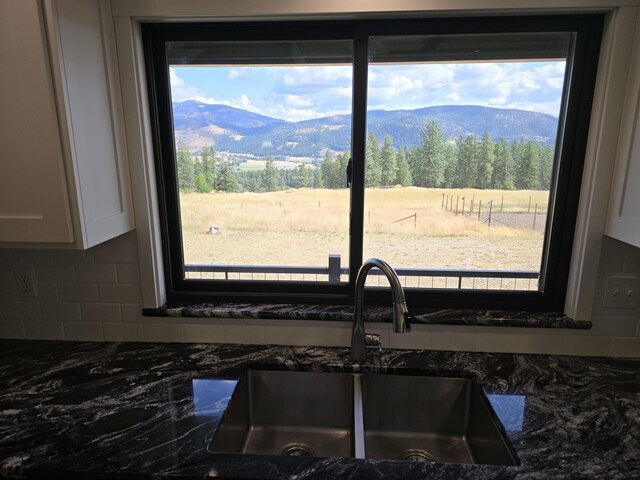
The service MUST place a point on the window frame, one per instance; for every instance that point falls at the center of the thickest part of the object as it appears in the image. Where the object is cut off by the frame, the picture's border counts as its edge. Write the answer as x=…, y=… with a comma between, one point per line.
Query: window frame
x=558, y=238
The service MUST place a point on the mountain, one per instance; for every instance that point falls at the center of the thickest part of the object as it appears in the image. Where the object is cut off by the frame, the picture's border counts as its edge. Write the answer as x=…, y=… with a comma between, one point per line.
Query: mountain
x=239, y=131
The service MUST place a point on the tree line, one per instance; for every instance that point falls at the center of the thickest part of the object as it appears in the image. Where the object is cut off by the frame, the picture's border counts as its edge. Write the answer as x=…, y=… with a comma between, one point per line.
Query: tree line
x=436, y=162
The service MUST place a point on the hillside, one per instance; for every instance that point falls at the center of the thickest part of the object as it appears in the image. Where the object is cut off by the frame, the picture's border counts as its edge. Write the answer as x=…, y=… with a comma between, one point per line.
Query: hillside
x=239, y=131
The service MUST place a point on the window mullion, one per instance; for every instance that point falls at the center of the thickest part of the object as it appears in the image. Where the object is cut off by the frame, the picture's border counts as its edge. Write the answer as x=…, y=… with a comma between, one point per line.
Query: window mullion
x=358, y=149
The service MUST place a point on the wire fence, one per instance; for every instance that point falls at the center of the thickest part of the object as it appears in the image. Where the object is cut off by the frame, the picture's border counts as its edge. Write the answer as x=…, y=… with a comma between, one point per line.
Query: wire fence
x=409, y=277
x=492, y=212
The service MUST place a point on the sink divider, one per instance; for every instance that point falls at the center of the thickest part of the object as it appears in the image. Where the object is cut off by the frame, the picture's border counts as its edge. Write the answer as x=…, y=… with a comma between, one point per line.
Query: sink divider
x=358, y=417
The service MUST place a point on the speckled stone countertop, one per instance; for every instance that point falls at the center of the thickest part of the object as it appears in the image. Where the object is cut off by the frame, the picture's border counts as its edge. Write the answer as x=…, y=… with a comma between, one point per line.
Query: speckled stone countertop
x=341, y=313
x=143, y=410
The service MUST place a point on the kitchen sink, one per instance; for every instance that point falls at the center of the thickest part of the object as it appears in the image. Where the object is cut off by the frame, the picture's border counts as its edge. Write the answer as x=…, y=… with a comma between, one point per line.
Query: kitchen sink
x=430, y=419
x=391, y=417
x=288, y=413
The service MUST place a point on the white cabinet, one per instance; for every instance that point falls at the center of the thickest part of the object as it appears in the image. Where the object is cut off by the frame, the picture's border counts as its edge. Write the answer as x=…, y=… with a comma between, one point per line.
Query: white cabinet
x=623, y=220
x=64, y=177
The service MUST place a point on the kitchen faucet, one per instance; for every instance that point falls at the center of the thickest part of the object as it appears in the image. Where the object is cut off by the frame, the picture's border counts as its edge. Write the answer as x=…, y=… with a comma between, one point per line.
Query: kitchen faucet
x=401, y=316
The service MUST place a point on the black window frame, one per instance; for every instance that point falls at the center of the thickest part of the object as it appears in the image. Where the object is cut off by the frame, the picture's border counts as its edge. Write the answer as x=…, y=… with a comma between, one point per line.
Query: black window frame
x=561, y=219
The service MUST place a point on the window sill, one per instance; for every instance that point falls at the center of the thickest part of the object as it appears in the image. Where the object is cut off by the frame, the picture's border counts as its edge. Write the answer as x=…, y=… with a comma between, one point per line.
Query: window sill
x=488, y=318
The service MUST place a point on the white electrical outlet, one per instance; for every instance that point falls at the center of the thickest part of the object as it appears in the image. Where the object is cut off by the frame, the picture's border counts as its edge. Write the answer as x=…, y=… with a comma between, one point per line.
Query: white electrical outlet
x=25, y=282
x=622, y=291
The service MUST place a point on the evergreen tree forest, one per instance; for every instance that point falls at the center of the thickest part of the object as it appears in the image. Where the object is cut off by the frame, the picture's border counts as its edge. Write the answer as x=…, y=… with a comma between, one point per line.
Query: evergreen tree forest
x=436, y=162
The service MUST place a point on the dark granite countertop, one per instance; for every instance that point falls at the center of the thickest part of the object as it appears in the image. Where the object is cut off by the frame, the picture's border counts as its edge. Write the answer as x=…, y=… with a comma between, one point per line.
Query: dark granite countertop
x=341, y=313
x=144, y=410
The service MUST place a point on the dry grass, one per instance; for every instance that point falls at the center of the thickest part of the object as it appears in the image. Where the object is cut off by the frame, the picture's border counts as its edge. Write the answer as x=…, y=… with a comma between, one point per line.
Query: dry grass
x=302, y=227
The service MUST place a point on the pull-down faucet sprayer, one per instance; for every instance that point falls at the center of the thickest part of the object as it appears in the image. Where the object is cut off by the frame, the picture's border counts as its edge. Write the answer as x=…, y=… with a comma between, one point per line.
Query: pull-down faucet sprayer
x=401, y=316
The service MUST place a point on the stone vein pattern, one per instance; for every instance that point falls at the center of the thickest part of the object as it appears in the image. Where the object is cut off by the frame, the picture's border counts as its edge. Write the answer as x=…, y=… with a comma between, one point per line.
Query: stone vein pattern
x=491, y=318
x=77, y=410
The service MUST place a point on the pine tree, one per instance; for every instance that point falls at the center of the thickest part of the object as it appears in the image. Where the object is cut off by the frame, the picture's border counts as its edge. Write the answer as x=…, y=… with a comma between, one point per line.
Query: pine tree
x=373, y=169
x=403, y=176
x=467, y=154
x=202, y=186
x=208, y=164
x=227, y=181
x=388, y=163
x=302, y=176
x=502, y=178
x=185, y=168
x=517, y=153
x=271, y=183
x=318, y=181
x=485, y=162
x=429, y=163
x=546, y=166
x=530, y=167
x=450, y=153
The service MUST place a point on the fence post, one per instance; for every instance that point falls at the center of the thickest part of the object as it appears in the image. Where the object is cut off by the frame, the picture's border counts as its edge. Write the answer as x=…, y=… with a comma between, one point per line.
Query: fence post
x=473, y=199
x=535, y=214
x=490, y=209
x=501, y=203
x=442, y=206
x=463, y=202
x=479, y=209
x=415, y=220
x=457, y=201
x=334, y=268
x=529, y=207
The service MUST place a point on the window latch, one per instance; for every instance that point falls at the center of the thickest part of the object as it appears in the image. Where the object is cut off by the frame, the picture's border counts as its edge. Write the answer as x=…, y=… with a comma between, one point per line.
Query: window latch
x=349, y=167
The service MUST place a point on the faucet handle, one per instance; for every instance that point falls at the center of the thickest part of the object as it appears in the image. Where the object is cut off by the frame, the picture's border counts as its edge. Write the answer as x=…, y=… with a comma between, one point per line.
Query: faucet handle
x=373, y=340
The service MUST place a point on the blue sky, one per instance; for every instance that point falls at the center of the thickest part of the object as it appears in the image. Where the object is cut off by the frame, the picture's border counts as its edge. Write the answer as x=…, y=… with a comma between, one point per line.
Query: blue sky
x=297, y=93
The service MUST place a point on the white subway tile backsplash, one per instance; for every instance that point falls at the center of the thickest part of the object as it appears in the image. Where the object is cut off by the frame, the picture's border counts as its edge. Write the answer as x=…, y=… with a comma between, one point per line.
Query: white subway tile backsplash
x=119, y=332
x=96, y=273
x=614, y=326
x=625, y=347
x=111, y=252
x=78, y=292
x=497, y=342
x=21, y=310
x=204, y=333
x=44, y=330
x=128, y=273
x=249, y=334
x=11, y=328
x=417, y=340
x=133, y=314
x=71, y=256
x=120, y=293
x=8, y=291
x=83, y=331
x=61, y=312
x=154, y=332
x=453, y=340
x=586, y=345
x=46, y=292
x=544, y=344
x=101, y=312
x=55, y=273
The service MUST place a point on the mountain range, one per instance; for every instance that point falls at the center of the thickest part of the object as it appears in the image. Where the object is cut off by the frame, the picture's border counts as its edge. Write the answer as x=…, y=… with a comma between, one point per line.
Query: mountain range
x=239, y=131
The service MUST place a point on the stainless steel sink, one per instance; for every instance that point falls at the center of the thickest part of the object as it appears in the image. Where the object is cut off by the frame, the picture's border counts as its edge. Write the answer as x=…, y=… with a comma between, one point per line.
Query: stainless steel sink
x=430, y=419
x=288, y=413
x=393, y=417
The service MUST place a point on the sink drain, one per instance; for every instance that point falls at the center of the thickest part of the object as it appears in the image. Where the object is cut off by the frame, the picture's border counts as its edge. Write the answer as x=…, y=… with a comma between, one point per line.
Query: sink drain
x=416, y=455
x=297, y=450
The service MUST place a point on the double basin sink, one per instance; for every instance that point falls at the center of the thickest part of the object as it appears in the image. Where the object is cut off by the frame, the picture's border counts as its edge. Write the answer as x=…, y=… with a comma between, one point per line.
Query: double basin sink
x=391, y=417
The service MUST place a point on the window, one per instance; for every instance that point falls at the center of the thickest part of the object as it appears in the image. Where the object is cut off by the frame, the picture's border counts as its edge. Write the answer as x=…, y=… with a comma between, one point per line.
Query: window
x=287, y=152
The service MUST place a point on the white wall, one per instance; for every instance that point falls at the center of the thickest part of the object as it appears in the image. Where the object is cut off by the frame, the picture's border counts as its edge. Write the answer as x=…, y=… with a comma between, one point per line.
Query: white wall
x=96, y=295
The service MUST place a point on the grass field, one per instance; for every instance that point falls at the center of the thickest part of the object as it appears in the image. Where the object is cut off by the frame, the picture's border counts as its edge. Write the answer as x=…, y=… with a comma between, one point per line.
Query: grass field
x=304, y=226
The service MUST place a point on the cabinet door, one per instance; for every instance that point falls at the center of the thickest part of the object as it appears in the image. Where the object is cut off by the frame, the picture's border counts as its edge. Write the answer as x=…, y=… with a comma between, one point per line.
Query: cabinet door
x=623, y=220
x=33, y=194
x=84, y=65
